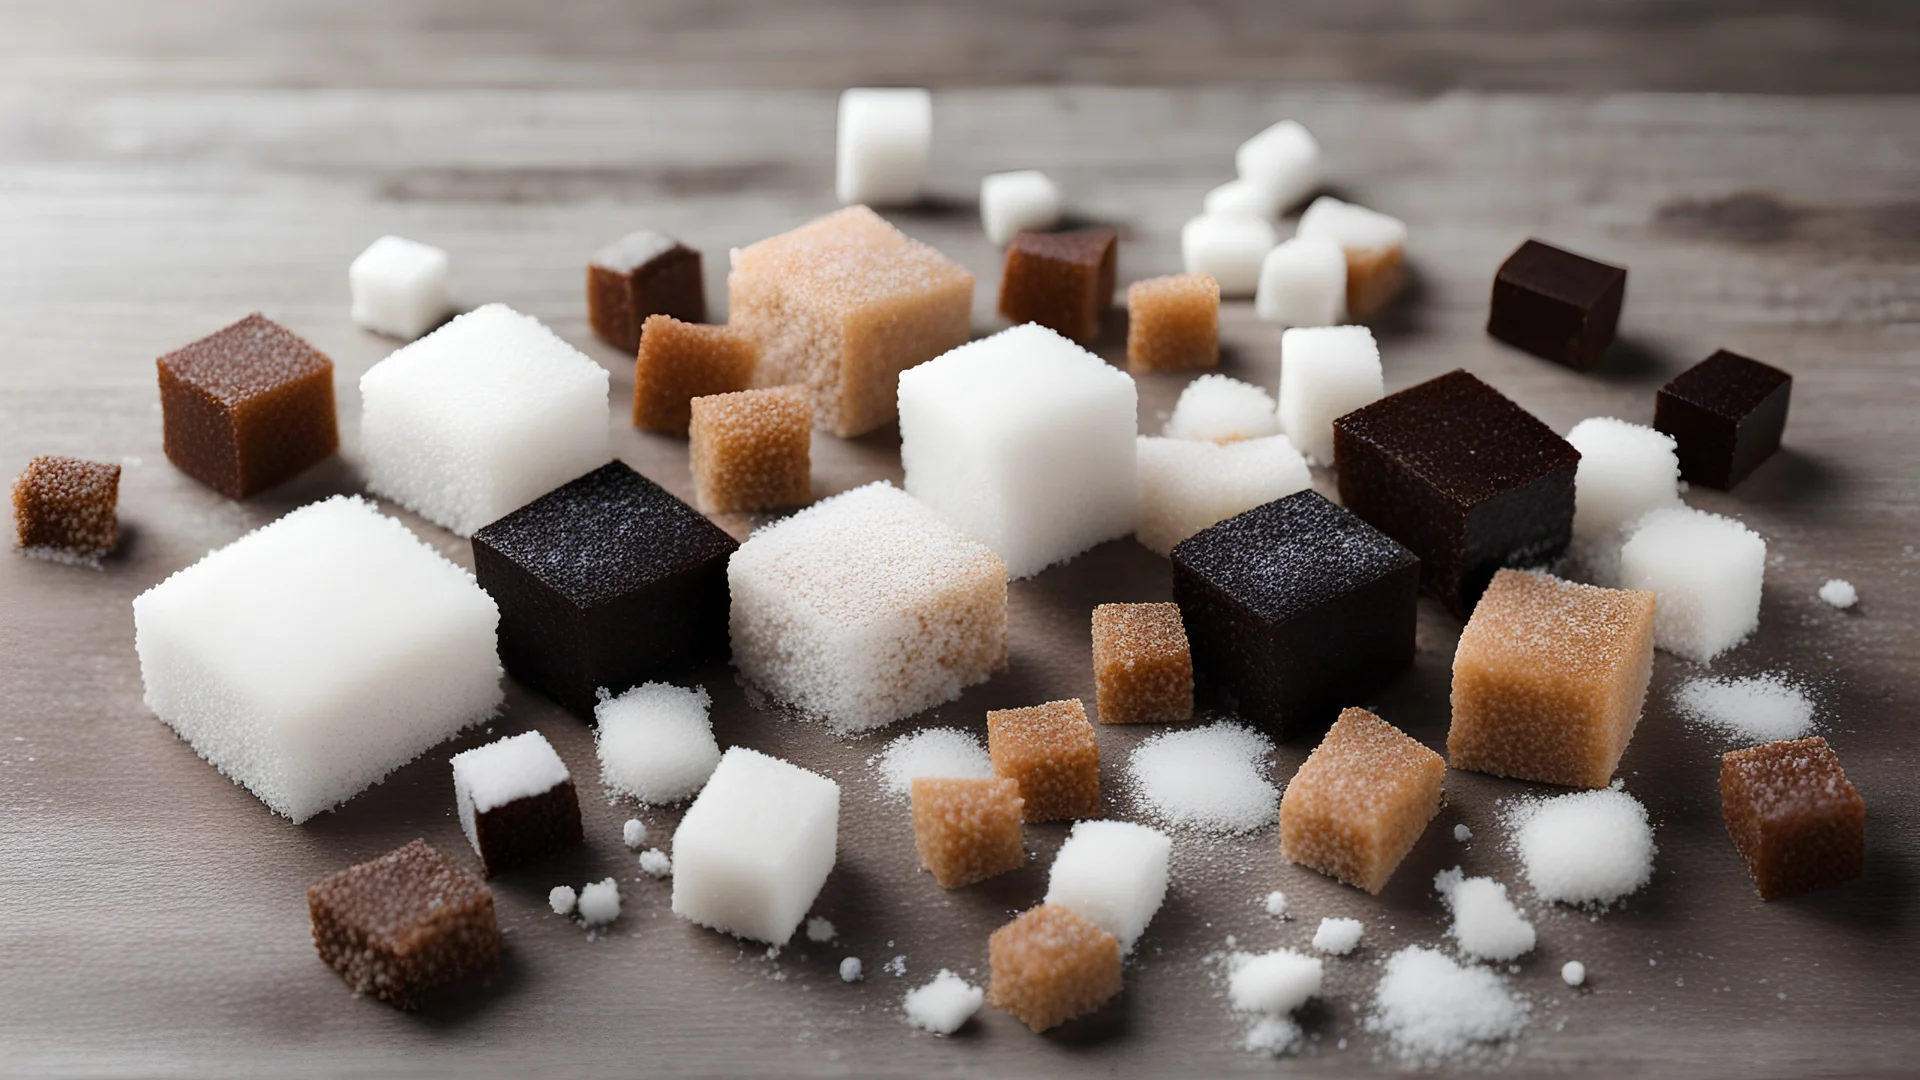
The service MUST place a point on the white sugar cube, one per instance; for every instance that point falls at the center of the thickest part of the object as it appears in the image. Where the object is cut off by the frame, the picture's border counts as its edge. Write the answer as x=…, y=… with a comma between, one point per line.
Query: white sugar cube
x=1338, y=936
x=1231, y=247
x=1186, y=486
x=399, y=287
x=599, y=902
x=1326, y=372
x=1284, y=159
x=1012, y=202
x=943, y=1005
x=865, y=608
x=503, y=771
x=753, y=850
x=1706, y=571
x=481, y=417
x=313, y=656
x=1274, y=982
x=655, y=742
x=1242, y=198
x=1486, y=925
x=1625, y=471
x=1303, y=282
x=1355, y=228
x=885, y=137
x=1114, y=873
x=1215, y=408
x=1024, y=440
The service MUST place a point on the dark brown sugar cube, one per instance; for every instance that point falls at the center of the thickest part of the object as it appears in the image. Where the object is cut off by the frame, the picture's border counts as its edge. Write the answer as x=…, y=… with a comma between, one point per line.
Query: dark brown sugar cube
x=1466, y=479
x=1142, y=668
x=638, y=275
x=1173, y=323
x=1063, y=281
x=516, y=801
x=1360, y=801
x=404, y=923
x=1052, y=965
x=248, y=407
x=1726, y=414
x=1557, y=305
x=679, y=361
x=1296, y=608
x=65, y=507
x=967, y=830
x=1050, y=751
x=1793, y=816
x=752, y=450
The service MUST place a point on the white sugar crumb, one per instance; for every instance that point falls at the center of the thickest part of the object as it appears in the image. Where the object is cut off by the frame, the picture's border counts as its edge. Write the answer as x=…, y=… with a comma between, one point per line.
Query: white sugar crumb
x=1338, y=936
x=819, y=929
x=850, y=969
x=655, y=863
x=1573, y=973
x=634, y=832
x=1758, y=709
x=1462, y=833
x=1486, y=925
x=895, y=967
x=1209, y=778
x=1277, y=904
x=948, y=753
x=1215, y=408
x=1273, y=1035
x=1432, y=1009
x=1274, y=982
x=600, y=902
x=562, y=898
x=1840, y=593
x=1590, y=847
x=944, y=1004
x=655, y=742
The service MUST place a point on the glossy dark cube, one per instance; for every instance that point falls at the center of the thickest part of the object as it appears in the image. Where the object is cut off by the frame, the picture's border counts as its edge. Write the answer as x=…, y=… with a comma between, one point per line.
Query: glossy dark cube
x=400, y=925
x=1557, y=305
x=1727, y=414
x=1297, y=608
x=248, y=407
x=1466, y=479
x=1793, y=815
x=642, y=274
x=1063, y=281
x=607, y=581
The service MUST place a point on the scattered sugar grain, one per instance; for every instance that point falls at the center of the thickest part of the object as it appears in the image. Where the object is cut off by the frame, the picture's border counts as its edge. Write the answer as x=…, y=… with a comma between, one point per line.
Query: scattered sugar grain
x=1486, y=925
x=1757, y=709
x=634, y=832
x=655, y=863
x=600, y=902
x=1590, y=847
x=820, y=929
x=1573, y=973
x=850, y=969
x=896, y=967
x=1432, y=1009
x=1840, y=593
x=1338, y=936
x=1462, y=833
x=1208, y=778
x=943, y=1005
x=1277, y=904
x=562, y=899
x=945, y=753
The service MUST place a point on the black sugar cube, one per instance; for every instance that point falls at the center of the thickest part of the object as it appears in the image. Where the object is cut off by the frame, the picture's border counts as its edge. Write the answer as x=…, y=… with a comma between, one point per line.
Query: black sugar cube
x=400, y=925
x=1727, y=414
x=1557, y=305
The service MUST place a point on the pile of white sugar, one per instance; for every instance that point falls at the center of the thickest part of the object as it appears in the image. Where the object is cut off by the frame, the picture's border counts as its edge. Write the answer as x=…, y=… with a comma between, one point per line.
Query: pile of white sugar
x=1590, y=847
x=1211, y=778
x=1757, y=709
x=1432, y=1009
x=948, y=753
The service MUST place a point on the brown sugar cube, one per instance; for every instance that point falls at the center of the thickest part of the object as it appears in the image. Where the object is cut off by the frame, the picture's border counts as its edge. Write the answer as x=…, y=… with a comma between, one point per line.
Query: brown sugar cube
x=1173, y=323
x=843, y=305
x=1793, y=815
x=679, y=361
x=967, y=830
x=1360, y=801
x=404, y=923
x=1051, y=965
x=638, y=275
x=1374, y=278
x=751, y=450
x=1063, y=280
x=1549, y=678
x=1050, y=751
x=64, y=508
x=1142, y=669
x=248, y=407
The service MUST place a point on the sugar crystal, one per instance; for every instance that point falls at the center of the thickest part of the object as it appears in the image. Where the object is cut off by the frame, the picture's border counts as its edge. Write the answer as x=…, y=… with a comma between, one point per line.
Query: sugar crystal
x=1840, y=593
x=944, y=1004
x=1338, y=936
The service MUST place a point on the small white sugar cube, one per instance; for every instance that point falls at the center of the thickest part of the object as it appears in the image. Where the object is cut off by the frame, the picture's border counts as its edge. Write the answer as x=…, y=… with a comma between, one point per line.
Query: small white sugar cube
x=399, y=287
x=1625, y=471
x=600, y=902
x=503, y=771
x=1186, y=486
x=885, y=137
x=1284, y=159
x=1228, y=246
x=1706, y=571
x=313, y=656
x=1303, y=282
x=1025, y=440
x=1114, y=873
x=481, y=417
x=753, y=850
x=1355, y=228
x=1242, y=198
x=1326, y=372
x=1274, y=982
x=655, y=743
x=1215, y=408
x=943, y=1005
x=1012, y=202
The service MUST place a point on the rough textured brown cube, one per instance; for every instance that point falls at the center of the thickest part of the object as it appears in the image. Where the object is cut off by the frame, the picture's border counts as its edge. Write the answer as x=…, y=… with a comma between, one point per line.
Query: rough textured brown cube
x=967, y=830
x=679, y=361
x=1173, y=323
x=1063, y=280
x=248, y=407
x=1548, y=679
x=1050, y=751
x=642, y=274
x=1051, y=965
x=65, y=507
x=404, y=923
x=1360, y=801
x=752, y=450
x=1142, y=668
x=1794, y=816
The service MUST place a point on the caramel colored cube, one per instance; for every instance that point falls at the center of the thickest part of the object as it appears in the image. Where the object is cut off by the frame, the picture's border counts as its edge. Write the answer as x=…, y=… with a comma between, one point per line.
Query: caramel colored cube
x=1050, y=751
x=248, y=407
x=1360, y=801
x=404, y=923
x=1549, y=678
x=967, y=830
x=679, y=361
x=751, y=450
x=638, y=275
x=1142, y=669
x=1051, y=965
x=66, y=508
x=1794, y=816
x=1063, y=281
x=1173, y=323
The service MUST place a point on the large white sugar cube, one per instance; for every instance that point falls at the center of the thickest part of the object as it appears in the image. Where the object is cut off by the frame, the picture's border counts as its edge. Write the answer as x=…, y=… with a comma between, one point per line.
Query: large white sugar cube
x=1355, y=228
x=1114, y=873
x=866, y=607
x=1228, y=246
x=1625, y=471
x=488, y=777
x=753, y=850
x=1303, y=282
x=313, y=656
x=399, y=287
x=655, y=742
x=1242, y=198
x=1284, y=159
x=481, y=417
x=1024, y=440
x=1326, y=372
x=1706, y=571
x=1012, y=202
x=1215, y=408
x=885, y=137
x=1186, y=486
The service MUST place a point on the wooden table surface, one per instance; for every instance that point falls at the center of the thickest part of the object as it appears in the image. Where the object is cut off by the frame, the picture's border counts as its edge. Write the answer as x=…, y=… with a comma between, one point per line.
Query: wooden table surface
x=152, y=915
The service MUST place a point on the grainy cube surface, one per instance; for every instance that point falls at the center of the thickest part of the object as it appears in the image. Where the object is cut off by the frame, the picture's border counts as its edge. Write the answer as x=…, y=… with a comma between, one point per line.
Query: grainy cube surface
x=1173, y=323
x=679, y=361
x=1793, y=815
x=1063, y=280
x=248, y=407
x=1726, y=414
x=66, y=507
x=1360, y=801
x=638, y=275
x=1050, y=751
x=1052, y=965
x=1142, y=668
x=400, y=925
x=1556, y=305
x=752, y=450
x=967, y=830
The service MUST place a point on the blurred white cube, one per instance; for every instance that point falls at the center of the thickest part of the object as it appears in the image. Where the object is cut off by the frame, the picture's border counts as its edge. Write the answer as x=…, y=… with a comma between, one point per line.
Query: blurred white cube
x=1303, y=282
x=885, y=137
x=1231, y=247
x=1012, y=202
x=399, y=287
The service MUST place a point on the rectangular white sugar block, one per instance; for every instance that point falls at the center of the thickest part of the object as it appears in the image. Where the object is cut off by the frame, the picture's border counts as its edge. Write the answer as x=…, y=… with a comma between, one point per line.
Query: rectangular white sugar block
x=1024, y=440
x=885, y=137
x=1284, y=159
x=1228, y=246
x=865, y=608
x=1215, y=408
x=1355, y=228
x=655, y=742
x=1706, y=571
x=1242, y=198
x=1303, y=282
x=481, y=417
x=1114, y=873
x=1186, y=486
x=1274, y=983
x=503, y=771
x=313, y=656
x=1012, y=202
x=753, y=850
x=399, y=287
x=1625, y=471
x=1326, y=372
